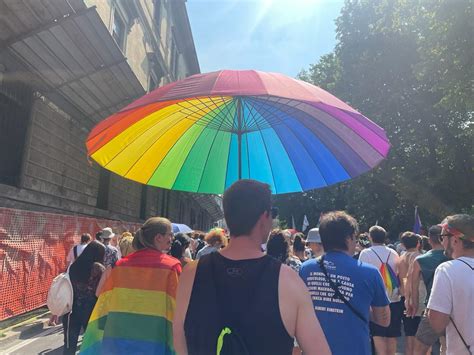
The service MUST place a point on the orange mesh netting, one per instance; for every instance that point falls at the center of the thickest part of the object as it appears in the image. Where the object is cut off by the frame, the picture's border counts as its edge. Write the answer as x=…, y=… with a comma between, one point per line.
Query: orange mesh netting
x=33, y=250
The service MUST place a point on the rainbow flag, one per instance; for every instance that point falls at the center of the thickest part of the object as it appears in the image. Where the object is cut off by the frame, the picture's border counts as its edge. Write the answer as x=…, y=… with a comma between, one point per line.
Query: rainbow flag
x=390, y=279
x=135, y=309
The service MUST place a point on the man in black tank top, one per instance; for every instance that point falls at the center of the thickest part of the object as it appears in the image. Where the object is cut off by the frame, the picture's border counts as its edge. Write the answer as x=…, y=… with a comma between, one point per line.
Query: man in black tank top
x=240, y=300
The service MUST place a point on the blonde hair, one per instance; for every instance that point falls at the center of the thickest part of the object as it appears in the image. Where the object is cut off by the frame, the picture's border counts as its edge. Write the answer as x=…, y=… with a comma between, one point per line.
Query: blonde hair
x=126, y=244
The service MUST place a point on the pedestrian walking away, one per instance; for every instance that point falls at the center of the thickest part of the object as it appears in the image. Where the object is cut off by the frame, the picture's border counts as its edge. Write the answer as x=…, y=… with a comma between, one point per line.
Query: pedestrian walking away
x=241, y=299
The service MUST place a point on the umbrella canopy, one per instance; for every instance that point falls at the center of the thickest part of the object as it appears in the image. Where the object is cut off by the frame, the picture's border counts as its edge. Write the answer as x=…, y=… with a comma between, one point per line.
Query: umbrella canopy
x=180, y=228
x=203, y=133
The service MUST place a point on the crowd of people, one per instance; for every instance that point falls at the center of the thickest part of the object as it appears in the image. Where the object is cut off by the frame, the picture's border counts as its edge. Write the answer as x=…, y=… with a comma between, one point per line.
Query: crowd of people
x=253, y=290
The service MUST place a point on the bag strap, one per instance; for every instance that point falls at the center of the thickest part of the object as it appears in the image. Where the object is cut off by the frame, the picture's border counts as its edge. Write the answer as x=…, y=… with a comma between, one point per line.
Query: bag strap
x=338, y=293
x=459, y=333
x=379, y=256
x=75, y=252
x=464, y=262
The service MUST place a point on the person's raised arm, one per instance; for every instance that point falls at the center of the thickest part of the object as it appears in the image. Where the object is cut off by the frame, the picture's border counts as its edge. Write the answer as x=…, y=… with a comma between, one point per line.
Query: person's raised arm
x=183, y=295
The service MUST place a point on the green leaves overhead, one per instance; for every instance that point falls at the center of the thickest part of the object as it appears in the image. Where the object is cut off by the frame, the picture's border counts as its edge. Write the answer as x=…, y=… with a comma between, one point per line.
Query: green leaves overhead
x=408, y=66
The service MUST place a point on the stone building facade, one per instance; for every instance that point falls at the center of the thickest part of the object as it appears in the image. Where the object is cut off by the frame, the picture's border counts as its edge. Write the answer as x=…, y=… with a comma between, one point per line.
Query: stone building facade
x=64, y=66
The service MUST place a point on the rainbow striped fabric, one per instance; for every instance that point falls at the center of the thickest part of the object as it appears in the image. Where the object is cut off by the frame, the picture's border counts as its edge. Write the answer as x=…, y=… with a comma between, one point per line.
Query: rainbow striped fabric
x=390, y=279
x=134, y=312
x=203, y=133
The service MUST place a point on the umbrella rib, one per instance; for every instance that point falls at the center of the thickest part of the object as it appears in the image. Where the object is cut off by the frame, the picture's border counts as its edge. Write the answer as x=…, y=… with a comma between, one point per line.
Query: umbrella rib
x=207, y=158
x=137, y=160
x=184, y=163
x=264, y=145
x=288, y=155
x=304, y=147
x=139, y=135
x=225, y=116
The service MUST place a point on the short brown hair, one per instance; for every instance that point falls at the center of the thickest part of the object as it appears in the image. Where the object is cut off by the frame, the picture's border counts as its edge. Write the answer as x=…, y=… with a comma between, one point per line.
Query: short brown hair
x=244, y=202
x=85, y=238
x=378, y=234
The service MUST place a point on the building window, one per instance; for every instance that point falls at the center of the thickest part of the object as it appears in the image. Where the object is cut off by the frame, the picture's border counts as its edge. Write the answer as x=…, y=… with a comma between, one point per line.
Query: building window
x=119, y=30
x=15, y=108
x=103, y=193
x=143, y=202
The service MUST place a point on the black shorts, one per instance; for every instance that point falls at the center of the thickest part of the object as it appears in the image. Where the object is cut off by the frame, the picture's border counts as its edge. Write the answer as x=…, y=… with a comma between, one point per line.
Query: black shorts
x=394, y=330
x=410, y=325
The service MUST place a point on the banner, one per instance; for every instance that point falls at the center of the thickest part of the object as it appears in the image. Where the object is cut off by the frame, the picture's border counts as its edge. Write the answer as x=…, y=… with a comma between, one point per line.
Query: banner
x=33, y=250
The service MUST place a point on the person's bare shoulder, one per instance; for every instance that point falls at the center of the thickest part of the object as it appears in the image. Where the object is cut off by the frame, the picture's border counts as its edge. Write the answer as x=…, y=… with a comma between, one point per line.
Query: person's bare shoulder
x=292, y=282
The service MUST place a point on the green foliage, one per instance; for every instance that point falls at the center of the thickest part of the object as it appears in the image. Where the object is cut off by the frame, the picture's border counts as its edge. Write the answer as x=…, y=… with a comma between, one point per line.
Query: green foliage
x=408, y=66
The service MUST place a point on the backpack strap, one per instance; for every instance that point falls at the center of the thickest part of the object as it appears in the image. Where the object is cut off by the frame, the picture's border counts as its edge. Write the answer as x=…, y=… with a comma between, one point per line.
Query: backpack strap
x=75, y=252
x=379, y=256
x=338, y=293
x=459, y=333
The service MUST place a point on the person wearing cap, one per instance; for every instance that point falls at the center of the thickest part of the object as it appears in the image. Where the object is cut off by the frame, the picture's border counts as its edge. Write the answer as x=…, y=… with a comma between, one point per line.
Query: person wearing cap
x=238, y=297
x=423, y=269
x=111, y=252
x=450, y=306
x=314, y=242
x=346, y=293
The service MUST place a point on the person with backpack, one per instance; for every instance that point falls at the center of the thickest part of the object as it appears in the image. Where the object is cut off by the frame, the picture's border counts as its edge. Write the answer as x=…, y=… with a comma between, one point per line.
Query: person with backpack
x=423, y=269
x=77, y=249
x=239, y=300
x=346, y=293
x=450, y=307
x=386, y=260
x=84, y=273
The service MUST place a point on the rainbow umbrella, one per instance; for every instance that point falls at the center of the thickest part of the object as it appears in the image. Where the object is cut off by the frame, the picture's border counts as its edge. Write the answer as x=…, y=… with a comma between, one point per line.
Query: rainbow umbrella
x=203, y=133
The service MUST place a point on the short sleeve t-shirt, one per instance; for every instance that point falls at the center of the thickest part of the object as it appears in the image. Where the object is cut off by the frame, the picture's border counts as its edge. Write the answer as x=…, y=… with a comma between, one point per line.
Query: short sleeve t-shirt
x=453, y=293
x=362, y=286
x=368, y=256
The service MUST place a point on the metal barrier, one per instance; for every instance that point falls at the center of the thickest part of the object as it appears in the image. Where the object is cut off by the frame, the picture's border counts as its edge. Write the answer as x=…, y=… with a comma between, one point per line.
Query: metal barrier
x=33, y=250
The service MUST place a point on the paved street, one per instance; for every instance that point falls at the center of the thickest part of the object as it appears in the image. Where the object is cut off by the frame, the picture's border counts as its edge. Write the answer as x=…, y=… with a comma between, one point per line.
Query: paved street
x=47, y=341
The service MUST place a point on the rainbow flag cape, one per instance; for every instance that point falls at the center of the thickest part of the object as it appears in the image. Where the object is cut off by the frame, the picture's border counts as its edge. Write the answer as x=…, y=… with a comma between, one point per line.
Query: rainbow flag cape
x=134, y=312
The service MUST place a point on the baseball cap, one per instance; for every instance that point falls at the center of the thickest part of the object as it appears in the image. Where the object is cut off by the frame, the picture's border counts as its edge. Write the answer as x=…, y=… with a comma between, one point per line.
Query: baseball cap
x=107, y=233
x=313, y=236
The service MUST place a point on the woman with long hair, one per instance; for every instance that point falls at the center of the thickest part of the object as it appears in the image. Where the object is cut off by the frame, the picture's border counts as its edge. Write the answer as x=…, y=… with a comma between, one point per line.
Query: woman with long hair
x=135, y=309
x=278, y=246
x=178, y=248
x=85, y=273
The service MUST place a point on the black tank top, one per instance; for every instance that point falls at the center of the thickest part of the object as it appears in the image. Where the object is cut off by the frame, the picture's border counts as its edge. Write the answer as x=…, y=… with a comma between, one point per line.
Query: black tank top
x=242, y=295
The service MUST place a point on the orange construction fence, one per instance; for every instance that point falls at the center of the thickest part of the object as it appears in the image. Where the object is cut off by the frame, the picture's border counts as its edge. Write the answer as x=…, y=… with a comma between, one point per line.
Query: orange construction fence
x=33, y=250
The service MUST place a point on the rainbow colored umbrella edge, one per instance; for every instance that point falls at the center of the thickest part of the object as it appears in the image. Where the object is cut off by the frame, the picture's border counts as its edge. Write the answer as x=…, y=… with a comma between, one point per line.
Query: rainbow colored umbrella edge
x=203, y=133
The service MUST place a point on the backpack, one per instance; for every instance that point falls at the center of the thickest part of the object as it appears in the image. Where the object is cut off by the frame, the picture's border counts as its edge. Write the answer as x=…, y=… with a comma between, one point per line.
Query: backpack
x=60, y=295
x=230, y=343
x=389, y=277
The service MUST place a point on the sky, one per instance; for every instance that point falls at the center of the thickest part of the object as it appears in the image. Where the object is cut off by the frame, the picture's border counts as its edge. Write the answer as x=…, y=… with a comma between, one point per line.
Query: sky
x=282, y=36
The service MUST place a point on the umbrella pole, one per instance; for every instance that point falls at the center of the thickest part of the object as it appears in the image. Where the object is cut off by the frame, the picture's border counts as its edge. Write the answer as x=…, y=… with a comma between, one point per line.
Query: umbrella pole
x=239, y=135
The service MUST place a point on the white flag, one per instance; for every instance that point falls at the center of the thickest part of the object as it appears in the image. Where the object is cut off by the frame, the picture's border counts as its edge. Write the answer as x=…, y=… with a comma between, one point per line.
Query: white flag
x=293, y=222
x=305, y=223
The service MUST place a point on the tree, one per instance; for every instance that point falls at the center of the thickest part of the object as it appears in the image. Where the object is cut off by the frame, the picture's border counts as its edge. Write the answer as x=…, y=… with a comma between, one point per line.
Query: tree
x=401, y=63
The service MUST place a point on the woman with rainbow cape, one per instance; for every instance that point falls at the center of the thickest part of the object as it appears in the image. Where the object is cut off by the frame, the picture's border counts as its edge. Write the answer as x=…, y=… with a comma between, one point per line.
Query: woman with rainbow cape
x=135, y=309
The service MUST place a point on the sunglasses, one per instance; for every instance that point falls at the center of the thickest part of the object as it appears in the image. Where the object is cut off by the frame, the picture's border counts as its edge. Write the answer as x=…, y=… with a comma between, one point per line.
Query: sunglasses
x=442, y=236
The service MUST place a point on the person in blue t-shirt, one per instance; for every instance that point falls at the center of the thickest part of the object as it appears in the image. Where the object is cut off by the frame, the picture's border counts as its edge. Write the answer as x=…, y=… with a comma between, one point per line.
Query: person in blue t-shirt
x=345, y=323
